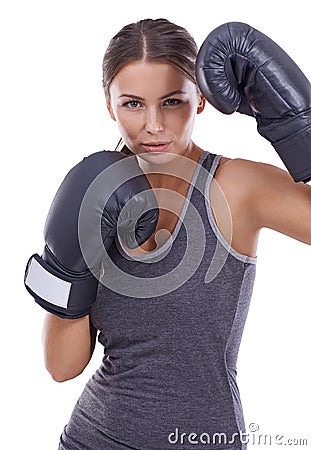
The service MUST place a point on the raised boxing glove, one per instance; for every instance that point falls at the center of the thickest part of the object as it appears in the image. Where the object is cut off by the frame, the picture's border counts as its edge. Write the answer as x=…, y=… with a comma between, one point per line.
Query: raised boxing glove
x=238, y=68
x=103, y=196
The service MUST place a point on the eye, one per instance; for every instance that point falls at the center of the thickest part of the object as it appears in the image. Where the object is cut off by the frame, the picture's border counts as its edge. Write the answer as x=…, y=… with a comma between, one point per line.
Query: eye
x=172, y=102
x=132, y=104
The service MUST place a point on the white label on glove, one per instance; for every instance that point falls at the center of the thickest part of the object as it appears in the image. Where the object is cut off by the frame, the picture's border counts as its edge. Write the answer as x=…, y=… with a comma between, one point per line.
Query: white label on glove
x=47, y=286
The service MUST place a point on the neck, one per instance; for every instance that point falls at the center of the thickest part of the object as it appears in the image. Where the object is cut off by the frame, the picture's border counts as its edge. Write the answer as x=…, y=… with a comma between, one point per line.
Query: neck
x=173, y=173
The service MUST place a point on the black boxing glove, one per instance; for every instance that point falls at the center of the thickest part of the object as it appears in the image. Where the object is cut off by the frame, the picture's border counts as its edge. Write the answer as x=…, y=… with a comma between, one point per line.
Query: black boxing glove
x=238, y=68
x=103, y=196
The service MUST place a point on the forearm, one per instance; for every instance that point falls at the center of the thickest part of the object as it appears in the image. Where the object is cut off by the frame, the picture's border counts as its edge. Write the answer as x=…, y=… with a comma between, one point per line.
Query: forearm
x=68, y=346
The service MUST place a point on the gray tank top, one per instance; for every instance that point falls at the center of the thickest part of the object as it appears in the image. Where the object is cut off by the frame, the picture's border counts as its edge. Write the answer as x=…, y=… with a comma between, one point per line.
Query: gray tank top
x=171, y=323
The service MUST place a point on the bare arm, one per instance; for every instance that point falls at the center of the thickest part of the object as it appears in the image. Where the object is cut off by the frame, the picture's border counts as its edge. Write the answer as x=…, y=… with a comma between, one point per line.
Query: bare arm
x=68, y=346
x=281, y=204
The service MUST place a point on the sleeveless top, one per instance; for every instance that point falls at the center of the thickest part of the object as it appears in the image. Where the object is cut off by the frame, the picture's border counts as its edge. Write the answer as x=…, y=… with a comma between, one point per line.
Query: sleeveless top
x=171, y=323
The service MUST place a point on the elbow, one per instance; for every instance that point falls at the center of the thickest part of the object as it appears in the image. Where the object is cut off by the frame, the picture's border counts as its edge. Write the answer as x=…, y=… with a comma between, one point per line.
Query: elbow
x=60, y=376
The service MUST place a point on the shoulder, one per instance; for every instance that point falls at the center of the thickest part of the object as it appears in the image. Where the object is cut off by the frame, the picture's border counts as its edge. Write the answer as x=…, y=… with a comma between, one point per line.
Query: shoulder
x=250, y=176
x=254, y=188
x=267, y=195
x=247, y=167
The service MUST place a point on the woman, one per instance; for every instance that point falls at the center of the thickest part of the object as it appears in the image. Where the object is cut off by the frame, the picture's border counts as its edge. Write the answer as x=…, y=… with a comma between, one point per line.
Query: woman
x=171, y=316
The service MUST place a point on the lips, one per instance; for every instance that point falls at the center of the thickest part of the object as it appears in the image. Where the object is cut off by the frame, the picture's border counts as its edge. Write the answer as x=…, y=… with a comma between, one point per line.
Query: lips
x=156, y=146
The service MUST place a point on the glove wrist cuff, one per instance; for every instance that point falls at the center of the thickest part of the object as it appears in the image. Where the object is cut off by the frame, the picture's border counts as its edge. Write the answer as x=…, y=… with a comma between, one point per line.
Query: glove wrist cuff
x=60, y=294
x=295, y=152
x=291, y=139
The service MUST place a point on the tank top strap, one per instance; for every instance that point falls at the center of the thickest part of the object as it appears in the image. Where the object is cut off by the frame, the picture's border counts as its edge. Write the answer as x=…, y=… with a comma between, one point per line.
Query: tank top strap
x=204, y=179
x=207, y=171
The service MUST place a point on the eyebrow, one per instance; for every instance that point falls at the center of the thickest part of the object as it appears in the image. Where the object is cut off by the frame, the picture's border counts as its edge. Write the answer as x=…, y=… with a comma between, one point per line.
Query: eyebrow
x=169, y=94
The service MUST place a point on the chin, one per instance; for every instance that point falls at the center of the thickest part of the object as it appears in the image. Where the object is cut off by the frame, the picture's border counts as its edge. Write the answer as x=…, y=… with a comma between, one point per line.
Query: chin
x=157, y=158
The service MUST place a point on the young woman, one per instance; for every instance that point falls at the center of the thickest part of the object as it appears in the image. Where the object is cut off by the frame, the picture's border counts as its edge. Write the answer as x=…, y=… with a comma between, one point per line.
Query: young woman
x=170, y=312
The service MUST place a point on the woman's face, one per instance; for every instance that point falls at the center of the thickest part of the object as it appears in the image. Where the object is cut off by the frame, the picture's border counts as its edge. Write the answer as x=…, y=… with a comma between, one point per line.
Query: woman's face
x=154, y=105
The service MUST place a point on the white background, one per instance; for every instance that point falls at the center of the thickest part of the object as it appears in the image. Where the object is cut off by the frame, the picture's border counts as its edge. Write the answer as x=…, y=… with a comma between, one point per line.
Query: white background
x=52, y=115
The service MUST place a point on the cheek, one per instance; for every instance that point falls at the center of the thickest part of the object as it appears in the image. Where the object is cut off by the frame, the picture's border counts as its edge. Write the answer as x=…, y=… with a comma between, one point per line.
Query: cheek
x=183, y=121
x=128, y=124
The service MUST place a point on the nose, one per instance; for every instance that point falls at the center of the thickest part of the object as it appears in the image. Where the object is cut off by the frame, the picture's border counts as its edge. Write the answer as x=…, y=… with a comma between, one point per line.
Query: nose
x=154, y=122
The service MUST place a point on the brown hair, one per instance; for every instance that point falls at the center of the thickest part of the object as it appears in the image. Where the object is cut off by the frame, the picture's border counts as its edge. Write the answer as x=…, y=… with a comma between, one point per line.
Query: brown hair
x=149, y=40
